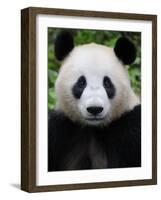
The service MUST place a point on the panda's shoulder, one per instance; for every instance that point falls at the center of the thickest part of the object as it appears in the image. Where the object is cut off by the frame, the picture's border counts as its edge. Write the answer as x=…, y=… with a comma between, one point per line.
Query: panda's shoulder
x=60, y=127
x=58, y=123
x=129, y=121
x=57, y=117
x=133, y=116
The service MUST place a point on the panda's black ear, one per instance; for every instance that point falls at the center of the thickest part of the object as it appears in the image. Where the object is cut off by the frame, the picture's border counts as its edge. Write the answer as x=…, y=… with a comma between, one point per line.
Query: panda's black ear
x=63, y=44
x=125, y=50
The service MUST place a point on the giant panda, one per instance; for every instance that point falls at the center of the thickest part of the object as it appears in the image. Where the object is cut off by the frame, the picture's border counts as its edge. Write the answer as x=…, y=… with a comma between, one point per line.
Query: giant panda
x=96, y=123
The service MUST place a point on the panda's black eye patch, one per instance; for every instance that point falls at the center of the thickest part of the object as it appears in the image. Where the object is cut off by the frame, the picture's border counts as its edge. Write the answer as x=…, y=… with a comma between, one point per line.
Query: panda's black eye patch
x=79, y=87
x=109, y=87
x=81, y=83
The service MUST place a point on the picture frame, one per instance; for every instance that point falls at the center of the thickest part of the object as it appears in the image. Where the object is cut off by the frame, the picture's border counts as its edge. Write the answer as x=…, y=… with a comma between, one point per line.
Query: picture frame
x=29, y=96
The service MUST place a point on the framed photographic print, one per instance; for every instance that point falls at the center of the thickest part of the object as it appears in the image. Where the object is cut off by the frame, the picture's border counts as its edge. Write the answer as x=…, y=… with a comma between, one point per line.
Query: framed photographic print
x=88, y=99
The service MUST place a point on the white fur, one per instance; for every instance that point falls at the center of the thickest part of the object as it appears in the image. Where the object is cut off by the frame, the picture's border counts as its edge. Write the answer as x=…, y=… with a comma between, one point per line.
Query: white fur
x=94, y=62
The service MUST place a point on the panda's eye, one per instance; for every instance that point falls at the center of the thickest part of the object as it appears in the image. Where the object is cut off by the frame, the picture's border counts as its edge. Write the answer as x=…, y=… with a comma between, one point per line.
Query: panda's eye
x=107, y=82
x=81, y=82
x=79, y=87
x=109, y=87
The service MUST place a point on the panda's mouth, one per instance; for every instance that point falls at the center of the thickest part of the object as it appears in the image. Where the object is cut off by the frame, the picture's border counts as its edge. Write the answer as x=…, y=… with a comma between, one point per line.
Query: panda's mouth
x=95, y=119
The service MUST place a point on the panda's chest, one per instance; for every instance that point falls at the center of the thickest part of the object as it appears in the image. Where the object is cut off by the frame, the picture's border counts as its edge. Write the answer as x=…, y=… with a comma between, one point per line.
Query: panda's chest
x=97, y=154
x=86, y=152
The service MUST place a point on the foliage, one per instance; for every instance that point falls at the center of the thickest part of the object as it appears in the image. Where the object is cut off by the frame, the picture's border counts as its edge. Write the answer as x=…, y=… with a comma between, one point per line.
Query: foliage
x=107, y=38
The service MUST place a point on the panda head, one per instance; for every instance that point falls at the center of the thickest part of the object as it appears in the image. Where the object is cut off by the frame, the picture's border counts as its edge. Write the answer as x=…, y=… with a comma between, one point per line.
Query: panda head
x=93, y=85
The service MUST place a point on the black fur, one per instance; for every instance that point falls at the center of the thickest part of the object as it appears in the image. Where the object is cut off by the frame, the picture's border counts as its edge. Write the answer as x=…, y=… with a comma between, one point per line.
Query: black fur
x=79, y=87
x=109, y=87
x=125, y=50
x=74, y=147
x=63, y=44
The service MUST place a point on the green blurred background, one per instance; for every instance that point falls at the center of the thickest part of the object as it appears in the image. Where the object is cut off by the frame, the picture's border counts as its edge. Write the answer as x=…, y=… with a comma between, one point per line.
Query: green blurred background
x=82, y=36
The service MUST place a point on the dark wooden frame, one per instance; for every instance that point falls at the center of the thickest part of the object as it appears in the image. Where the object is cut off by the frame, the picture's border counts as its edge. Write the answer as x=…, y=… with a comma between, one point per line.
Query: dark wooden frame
x=28, y=98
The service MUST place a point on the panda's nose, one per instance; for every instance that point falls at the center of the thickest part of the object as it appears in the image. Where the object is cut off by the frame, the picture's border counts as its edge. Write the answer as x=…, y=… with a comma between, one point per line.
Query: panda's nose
x=94, y=110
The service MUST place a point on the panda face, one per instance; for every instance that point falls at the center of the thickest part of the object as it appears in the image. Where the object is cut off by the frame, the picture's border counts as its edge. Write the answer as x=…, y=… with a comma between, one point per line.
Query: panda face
x=93, y=94
x=93, y=85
